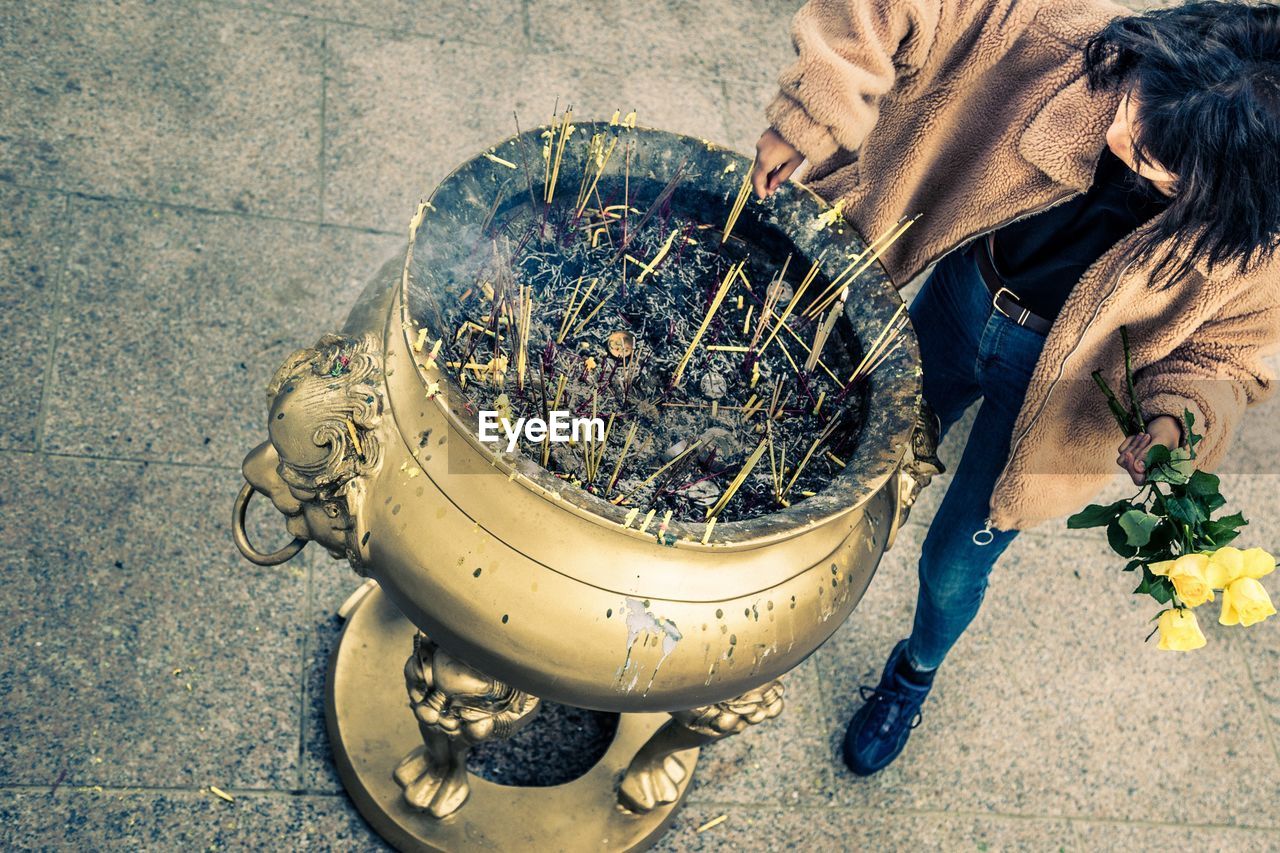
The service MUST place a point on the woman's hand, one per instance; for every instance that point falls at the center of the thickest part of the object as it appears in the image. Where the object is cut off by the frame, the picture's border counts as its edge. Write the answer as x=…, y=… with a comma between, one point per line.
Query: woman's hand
x=1133, y=452
x=776, y=160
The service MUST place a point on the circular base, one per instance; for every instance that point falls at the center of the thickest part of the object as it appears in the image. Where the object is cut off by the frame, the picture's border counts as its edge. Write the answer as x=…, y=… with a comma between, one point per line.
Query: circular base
x=371, y=729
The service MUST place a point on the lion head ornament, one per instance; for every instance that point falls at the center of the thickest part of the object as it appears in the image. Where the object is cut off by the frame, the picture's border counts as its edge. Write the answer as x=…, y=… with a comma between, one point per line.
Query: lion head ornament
x=325, y=406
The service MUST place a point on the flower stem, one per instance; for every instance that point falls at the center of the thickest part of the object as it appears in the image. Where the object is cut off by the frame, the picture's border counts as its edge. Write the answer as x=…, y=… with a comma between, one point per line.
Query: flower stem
x=1128, y=375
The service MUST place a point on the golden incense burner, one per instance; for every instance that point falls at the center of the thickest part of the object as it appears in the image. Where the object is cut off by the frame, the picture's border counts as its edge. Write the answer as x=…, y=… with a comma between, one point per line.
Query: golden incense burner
x=505, y=584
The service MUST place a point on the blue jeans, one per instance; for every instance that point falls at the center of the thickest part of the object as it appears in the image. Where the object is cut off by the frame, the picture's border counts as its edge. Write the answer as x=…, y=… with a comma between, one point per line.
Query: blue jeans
x=969, y=351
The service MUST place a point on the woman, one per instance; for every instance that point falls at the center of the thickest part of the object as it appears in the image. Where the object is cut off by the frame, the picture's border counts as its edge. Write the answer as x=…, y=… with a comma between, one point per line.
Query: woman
x=1079, y=169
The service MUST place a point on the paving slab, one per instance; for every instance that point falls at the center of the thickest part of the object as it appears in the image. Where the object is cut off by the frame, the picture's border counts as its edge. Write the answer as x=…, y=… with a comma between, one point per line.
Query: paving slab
x=836, y=829
x=88, y=819
x=191, y=103
x=1051, y=703
x=176, y=320
x=140, y=649
x=1194, y=839
x=477, y=23
x=403, y=111
x=780, y=761
x=32, y=230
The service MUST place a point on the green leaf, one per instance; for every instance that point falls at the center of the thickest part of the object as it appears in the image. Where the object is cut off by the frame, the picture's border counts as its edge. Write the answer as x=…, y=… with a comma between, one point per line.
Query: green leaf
x=1204, y=488
x=1189, y=420
x=1119, y=540
x=1236, y=519
x=1175, y=472
x=1133, y=564
x=1157, y=454
x=1203, y=484
x=1185, y=510
x=1137, y=525
x=1159, y=588
x=1181, y=460
x=1165, y=466
x=1096, y=515
x=1158, y=547
x=1223, y=530
x=1162, y=590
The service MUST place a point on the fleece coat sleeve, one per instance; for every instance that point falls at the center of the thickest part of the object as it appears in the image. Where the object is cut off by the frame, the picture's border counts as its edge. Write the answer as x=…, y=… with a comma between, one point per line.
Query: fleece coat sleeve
x=849, y=55
x=1217, y=371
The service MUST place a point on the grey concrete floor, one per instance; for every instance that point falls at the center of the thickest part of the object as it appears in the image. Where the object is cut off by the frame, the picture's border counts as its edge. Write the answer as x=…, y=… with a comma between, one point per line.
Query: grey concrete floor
x=190, y=190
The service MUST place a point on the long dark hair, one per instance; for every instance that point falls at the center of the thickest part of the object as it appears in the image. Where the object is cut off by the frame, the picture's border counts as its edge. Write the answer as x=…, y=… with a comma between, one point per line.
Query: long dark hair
x=1206, y=80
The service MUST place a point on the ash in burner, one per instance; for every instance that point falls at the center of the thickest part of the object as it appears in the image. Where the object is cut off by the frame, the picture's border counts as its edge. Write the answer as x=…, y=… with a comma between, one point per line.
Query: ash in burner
x=724, y=370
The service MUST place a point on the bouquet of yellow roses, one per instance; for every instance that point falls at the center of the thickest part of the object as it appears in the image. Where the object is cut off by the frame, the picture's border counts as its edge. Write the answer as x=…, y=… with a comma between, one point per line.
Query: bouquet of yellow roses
x=1168, y=531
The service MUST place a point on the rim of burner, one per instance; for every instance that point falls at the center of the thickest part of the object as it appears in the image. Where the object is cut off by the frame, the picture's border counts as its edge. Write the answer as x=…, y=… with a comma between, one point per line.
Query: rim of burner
x=859, y=481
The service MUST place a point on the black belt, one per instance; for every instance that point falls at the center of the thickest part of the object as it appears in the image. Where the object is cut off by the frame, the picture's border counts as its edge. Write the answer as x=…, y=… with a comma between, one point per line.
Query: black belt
x=1003, y=299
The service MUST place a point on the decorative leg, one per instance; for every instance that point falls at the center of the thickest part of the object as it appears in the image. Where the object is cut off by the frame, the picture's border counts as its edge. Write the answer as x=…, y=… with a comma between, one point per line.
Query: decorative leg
x=922, y=464
x=457, y=707
x=655, y=774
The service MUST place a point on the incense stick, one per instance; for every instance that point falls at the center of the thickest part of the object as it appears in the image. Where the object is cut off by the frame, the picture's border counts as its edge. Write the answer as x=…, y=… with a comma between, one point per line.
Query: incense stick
x=573, y=311
x=617, y=469
x=878, y=343
x=817, y=442
x=838, y=281
x=822, y=305
x=706, y=321
x=566, y=129
x=683, y=455
x=820, y=336
x=601, y=162
x=739, y=203
x=733, y=487
x=795, y=300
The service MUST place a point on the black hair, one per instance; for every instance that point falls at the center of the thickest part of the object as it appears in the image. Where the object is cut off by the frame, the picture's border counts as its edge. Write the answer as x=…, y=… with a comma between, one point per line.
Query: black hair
x=1206, y=81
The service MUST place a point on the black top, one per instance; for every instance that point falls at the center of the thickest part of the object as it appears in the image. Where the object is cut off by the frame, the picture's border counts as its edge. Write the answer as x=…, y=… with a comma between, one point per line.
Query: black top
x=1042, y=257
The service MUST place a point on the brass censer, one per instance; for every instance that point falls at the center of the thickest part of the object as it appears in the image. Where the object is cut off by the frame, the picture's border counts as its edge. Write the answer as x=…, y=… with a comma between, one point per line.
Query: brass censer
x=504, y=584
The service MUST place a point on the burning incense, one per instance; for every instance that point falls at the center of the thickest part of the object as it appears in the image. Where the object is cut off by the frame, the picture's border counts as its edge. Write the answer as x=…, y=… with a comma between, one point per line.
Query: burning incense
x=808, y=351
x=525, y=322
x=839, y=281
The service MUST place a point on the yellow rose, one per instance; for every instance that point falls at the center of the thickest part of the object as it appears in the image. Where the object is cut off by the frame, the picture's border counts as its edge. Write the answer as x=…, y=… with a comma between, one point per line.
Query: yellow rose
x=1225, y=565
x=1245, y=602
x=1179, y=631
x=1188, y=576
x=1258, y=563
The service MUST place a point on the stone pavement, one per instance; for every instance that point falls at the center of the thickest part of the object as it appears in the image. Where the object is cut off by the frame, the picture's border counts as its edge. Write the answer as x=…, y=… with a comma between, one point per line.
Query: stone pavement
x=190, y=190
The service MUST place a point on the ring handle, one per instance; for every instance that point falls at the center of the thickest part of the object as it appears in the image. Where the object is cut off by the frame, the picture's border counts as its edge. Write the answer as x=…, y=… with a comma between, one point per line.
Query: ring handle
x=284, y=555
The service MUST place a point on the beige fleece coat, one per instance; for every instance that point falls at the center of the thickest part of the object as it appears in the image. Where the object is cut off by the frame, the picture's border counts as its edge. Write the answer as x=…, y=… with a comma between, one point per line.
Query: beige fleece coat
x=975, y=113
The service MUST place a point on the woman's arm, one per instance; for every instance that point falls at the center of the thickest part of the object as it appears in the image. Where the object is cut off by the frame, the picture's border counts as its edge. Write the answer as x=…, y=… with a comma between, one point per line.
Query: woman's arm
x=849, y=54
x=1218, y=371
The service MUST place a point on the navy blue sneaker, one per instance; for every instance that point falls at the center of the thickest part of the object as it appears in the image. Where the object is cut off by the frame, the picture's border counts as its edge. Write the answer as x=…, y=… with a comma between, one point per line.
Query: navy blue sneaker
x=879, y=730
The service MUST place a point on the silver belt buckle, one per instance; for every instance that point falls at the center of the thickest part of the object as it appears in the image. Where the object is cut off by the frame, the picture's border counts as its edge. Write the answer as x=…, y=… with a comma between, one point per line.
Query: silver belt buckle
x=1021, y=319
